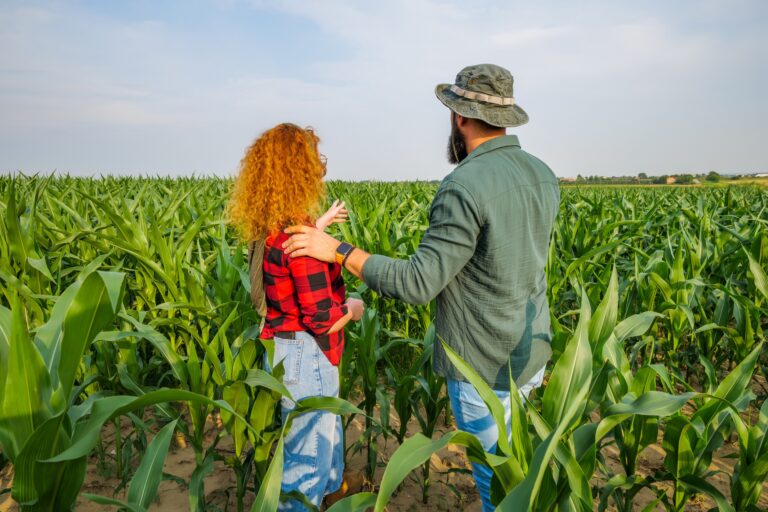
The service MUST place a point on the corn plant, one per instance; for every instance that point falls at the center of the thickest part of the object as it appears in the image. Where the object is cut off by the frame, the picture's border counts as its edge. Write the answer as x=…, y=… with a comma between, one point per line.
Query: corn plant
x=561, y=431
x=677, y=276
x=146, y=481
x=368, y=351
x=38, y=382
x=752, y=468
x=430, y=400
x=691, y=442
x=418, y=392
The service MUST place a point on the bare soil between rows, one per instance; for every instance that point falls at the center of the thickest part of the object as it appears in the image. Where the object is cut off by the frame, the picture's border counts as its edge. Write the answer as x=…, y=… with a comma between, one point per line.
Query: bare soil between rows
x=452, y=487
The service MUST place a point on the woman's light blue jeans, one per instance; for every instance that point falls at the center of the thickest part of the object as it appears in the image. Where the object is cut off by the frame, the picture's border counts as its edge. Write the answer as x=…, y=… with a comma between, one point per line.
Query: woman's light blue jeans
x=473, y=416
x=314, y=446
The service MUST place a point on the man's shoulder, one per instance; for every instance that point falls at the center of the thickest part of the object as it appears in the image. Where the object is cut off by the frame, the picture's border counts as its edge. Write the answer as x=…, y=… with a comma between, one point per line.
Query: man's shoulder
x=508, y=160
x=537, y=162
x=466, y=173
x=459, y=180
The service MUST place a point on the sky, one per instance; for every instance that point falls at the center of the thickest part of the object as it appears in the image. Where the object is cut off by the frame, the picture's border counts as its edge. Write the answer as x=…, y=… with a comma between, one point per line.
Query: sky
x=183, y=87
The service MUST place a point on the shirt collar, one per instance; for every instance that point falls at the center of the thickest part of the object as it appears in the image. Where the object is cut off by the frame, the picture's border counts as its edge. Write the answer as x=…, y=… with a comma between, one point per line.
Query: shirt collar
x=496, y=143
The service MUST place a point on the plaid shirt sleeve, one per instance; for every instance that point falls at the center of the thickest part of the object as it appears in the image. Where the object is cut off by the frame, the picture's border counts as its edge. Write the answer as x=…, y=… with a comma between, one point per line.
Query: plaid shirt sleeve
x=314, y=289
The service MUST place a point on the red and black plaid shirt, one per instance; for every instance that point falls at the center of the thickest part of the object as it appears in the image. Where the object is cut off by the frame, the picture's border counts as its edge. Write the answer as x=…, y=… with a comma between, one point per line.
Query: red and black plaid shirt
x=303, y=294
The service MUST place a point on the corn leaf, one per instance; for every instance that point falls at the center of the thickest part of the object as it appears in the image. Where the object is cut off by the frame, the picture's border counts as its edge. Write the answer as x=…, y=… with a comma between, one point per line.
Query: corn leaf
x=92, y=309
x=268, y=496
x=604, y=320
x=571, y=373
x=149, y=474
x=24, y=402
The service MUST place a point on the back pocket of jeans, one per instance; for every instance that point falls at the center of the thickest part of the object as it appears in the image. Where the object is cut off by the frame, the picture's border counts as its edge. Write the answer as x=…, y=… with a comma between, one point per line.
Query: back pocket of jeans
x=289, y=352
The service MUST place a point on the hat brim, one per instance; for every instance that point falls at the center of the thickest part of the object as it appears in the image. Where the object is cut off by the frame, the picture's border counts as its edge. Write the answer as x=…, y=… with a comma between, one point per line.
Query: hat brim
x=502, y=116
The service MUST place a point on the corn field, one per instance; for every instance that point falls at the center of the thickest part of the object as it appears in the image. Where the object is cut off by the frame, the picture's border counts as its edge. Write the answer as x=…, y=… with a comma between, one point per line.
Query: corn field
x=124, y=305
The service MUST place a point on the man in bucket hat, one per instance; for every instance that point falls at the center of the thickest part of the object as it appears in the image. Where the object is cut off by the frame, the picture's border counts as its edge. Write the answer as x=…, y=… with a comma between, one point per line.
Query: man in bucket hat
x=483, y=255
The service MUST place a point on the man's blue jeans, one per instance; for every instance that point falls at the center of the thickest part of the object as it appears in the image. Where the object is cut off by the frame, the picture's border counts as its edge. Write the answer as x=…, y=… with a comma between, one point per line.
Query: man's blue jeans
x=473, y=416
x=314, y=446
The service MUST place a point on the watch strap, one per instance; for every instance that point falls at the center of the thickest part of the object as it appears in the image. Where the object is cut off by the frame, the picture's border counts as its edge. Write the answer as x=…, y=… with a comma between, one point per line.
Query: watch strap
x=342, y=251
x=344, y=261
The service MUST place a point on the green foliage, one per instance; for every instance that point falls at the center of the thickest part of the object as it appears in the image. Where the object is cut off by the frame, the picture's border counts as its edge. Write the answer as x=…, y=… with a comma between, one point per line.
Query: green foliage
x=36, y=421
x=125, y=296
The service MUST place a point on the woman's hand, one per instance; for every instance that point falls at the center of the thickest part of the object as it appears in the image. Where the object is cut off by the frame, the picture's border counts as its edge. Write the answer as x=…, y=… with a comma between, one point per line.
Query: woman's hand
x=356, y=307
x=336, y=214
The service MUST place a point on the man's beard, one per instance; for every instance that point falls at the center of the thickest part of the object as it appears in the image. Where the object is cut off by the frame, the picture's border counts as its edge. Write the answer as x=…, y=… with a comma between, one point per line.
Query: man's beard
x=457, y=148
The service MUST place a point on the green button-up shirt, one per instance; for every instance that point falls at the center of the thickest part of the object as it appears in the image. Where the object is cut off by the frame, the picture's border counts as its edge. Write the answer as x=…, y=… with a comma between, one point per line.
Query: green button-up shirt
x=483, y=257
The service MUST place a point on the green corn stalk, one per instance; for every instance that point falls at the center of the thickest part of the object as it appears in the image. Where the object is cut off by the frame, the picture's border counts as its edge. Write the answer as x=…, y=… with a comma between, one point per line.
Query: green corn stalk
x=695, y=256
x=751, y=471
x=146, y=481
x=430, y=399
x=38, y=382
x=691, y=443
x=368, y=353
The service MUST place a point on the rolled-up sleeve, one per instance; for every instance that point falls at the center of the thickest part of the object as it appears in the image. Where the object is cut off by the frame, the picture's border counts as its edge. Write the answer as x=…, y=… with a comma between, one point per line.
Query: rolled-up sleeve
x=455, y=223
x=314, y=290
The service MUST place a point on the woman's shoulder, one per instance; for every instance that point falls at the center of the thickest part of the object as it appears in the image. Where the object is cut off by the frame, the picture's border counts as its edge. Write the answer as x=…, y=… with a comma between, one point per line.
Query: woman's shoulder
x=274, y=255
x=276, y=239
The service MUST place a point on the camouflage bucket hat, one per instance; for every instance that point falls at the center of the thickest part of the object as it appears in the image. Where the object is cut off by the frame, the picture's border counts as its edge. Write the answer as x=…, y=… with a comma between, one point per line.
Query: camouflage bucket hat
x=483, y=91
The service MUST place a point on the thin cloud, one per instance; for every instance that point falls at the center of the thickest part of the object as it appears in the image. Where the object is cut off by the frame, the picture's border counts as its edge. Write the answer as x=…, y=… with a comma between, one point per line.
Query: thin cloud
x=611, y=87
x=528, y=36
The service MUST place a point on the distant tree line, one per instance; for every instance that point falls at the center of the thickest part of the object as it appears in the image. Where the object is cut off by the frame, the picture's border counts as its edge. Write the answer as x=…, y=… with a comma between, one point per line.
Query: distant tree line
x=643, y=179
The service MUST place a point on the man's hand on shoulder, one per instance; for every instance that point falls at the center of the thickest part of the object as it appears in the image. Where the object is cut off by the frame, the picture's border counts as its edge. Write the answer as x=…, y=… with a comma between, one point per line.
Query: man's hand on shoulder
x=310, y=241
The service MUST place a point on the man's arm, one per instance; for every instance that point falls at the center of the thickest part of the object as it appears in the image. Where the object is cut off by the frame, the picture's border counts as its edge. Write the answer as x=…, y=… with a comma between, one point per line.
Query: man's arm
x=446, y=247
x=356, y=261
x=308, y=241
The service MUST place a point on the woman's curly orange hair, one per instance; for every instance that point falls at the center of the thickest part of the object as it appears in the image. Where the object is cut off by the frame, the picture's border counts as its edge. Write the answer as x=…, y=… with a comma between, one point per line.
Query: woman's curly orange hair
x=280, y=182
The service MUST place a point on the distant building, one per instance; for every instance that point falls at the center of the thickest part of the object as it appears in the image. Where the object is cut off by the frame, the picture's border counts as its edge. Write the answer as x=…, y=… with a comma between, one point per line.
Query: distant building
x=671, y=180
x=761, y=175
x=568, y=180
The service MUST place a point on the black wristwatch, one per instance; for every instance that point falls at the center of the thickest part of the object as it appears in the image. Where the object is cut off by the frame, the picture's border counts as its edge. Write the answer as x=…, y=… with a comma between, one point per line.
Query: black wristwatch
x=343, y=251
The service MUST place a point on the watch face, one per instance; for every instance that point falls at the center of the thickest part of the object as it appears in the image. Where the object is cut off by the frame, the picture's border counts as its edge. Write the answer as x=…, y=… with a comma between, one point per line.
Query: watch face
x=342, y=251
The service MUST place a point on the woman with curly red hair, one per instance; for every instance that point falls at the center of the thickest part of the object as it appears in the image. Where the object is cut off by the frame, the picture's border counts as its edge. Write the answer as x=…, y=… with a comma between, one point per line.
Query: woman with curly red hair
x=280, y=183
